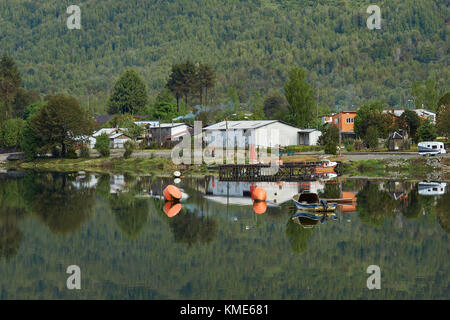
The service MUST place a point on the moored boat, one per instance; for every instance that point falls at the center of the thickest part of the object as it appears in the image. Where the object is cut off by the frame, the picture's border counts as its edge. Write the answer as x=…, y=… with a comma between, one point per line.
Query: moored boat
x=311, y=202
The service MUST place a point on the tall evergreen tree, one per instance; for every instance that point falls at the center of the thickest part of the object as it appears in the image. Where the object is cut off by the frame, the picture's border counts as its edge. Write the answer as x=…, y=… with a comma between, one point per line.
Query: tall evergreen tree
x=300, y=97
x=129, y=95
x=10, y=81
x=207, y=80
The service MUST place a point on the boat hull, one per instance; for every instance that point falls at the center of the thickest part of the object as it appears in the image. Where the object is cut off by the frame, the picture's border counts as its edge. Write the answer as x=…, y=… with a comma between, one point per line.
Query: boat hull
x=315, y=207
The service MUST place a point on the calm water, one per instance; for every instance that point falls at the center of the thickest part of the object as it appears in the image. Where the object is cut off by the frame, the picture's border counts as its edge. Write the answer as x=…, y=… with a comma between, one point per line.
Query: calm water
x=218, y=246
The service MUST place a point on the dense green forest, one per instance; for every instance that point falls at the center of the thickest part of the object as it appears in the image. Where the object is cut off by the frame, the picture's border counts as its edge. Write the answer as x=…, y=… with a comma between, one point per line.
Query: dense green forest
x=251, y=44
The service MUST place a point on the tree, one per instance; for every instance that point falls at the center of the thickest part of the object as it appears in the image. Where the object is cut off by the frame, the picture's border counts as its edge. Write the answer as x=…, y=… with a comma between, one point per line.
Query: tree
x=102, y=145
x=274, y=104
x=174, y=84
x=330, y=139
x=410, y=121
x=371, y=138
x=425, y=94
x=164, y=108
x=10, y=81
x=207, y=80
x=125, y=121
x=11, y=132
x=370, y=114
x=60, y=124
x=443, y=120
x=129, y=94
x=22, y=100
x=129, y=147
x=300, y=97
x=444, y=101
x=426, y=132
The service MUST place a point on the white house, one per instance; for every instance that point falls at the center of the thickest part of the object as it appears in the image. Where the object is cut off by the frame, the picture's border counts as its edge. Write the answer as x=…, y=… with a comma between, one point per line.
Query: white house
x=309, y=137
x=424, y=114
x=261, y=133
x=118, y=140
x=168, y=131
x=117, y=137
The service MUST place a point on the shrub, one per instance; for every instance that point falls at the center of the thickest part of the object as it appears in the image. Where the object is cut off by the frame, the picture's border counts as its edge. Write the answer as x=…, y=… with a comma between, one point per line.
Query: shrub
x=85, y=152
x=129, y=147
x=11, y=132
x=358, y=145
x=371, y=137
x=102, y=145
x=71, y=153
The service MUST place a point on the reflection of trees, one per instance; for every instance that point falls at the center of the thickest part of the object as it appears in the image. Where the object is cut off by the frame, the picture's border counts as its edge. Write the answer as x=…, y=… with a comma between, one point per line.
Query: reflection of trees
x=374, y=205
x=413, y=207
x=10, y=235
x=188, y=227
x=298, y=236
x=12, y=210
x=61, y=206
x=330, y=191
x=131, y=213
x=443, y=211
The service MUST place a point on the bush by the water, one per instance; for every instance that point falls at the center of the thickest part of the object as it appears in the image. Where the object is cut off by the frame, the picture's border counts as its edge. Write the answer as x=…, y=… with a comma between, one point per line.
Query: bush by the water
x=85, y=152
x=102, y=145
x=129, y=147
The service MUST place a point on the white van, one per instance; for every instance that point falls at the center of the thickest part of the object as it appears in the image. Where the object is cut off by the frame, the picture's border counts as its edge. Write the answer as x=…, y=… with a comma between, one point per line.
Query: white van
x=431, y=148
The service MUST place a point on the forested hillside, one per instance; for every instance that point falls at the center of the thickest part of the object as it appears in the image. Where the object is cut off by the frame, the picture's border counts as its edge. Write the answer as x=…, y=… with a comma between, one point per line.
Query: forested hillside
x=252, y=44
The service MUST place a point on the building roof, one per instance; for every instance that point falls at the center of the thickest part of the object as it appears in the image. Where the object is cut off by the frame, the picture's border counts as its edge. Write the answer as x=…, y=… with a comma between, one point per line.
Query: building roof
x=307, y=130
x=114, y=136
x=395, y=135
x=167, y=125
x=241, y=125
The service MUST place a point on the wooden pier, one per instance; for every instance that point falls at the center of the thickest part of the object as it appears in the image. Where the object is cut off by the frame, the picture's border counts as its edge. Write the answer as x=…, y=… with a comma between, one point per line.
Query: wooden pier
x=295, y=171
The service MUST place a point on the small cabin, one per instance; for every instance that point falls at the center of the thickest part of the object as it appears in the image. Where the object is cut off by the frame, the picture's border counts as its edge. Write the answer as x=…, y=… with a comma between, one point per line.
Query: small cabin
x=396, y=141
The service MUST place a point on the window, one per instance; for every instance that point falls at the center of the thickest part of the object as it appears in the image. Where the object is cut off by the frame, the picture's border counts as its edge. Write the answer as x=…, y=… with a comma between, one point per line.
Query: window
x=350, y=120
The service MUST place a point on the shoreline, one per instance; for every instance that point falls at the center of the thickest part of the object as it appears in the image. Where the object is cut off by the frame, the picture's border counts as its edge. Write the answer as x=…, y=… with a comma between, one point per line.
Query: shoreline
x=429, y=168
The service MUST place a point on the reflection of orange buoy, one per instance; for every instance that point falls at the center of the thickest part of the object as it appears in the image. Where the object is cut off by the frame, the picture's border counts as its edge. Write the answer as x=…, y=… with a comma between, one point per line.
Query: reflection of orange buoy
x=259, y=194
x=259, y=207
x=172, y=193
x=172, y=208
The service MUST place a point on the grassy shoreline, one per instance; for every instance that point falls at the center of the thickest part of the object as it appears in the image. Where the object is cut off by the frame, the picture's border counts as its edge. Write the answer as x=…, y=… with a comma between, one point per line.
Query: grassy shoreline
x=421, y=168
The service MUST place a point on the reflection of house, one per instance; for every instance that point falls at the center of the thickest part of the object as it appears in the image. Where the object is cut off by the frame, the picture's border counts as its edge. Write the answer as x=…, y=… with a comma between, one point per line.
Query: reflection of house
x=82, y=181
x=432, y=188
x=117, y=183
x=348, y=207
x=240, y=192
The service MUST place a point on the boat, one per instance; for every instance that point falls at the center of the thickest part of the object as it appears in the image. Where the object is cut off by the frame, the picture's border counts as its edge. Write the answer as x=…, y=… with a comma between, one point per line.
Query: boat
x=309, y=220
x=430, y=148
x=311, y=202
x=326, y=167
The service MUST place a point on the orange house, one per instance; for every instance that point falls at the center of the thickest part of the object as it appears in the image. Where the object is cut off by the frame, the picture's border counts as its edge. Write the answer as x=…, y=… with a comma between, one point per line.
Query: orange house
x=345, y=121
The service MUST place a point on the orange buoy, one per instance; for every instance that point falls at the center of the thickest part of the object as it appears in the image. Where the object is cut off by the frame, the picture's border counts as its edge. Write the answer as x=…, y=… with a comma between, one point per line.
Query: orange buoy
x=172, y=208
x=172, y=193
x=259, y=207
x=259, y=194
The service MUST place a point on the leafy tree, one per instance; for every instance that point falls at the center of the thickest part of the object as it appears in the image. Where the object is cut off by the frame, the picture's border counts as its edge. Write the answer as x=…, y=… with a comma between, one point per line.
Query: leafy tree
x=370, y=114
x=425, y=94
x=443, y=120
x=11, y=132
x=164, y=108
x=23, y=99
x=129, y=94
x=300, y=97
x=330, y=139
x=426, y=132
x=274, y=105
x=371, y=138
x=102, y=145
x=409, y=120
x=60, y=123
x=129, y=147
x=10, y=81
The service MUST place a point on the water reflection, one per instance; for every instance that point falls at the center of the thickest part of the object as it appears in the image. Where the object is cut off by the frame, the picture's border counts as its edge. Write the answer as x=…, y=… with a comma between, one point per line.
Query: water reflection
x=100, y=219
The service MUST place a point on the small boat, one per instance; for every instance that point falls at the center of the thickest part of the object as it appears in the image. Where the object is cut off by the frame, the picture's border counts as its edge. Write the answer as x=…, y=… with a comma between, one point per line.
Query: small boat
x=311, y=202
x=309, y=220
x=327, y=167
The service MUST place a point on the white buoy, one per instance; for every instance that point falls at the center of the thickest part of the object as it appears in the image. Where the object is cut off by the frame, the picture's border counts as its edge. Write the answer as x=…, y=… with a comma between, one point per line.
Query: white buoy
x=177, y=180
x=177, y=173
